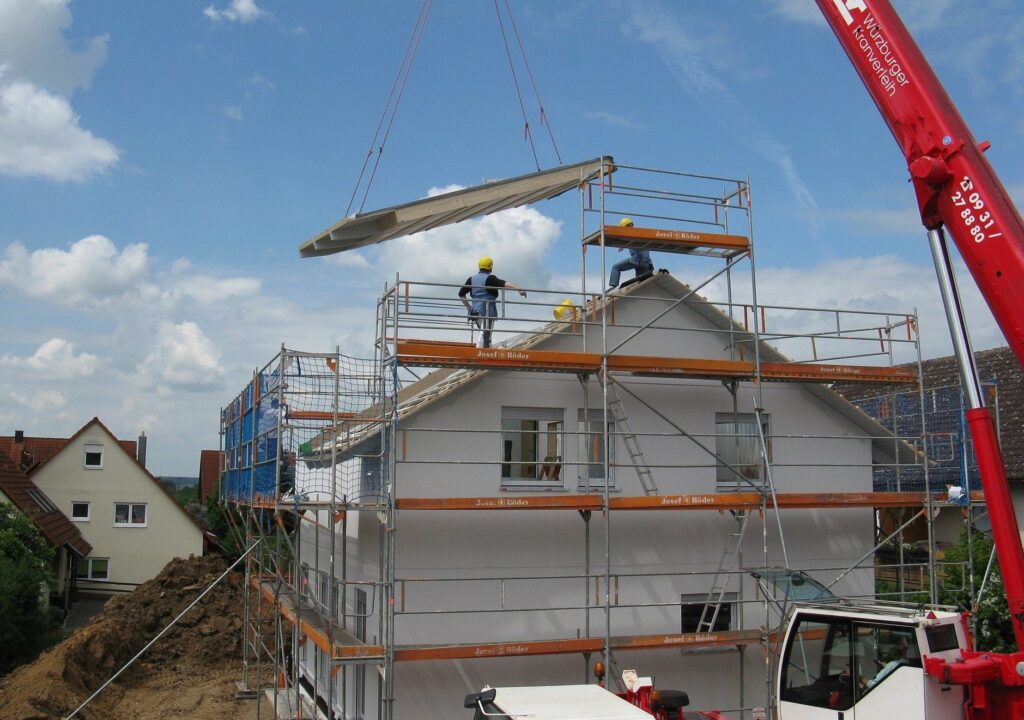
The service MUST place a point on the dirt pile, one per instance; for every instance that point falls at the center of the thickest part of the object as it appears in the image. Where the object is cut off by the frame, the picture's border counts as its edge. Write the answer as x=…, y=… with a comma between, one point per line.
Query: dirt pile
x=200, y=650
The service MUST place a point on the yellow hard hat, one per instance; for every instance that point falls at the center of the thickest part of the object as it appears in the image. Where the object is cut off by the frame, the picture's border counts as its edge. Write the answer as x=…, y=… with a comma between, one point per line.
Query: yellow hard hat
x=485, y=263
x=626, y=222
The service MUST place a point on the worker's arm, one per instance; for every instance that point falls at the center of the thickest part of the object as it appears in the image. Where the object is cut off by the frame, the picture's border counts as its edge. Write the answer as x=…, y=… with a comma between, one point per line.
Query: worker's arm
x=463, y=292
x=515, y=287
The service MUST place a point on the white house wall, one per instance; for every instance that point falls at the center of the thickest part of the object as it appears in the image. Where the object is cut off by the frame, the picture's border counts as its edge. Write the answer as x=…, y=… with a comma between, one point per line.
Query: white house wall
x=136, y=553
x=648, y=544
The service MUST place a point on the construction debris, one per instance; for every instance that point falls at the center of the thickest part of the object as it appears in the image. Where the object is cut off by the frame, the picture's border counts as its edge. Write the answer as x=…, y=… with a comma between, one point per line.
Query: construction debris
x=189, y=672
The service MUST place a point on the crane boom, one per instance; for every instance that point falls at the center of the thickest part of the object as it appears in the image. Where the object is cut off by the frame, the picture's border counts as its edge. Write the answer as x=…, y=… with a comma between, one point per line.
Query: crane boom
x=955, y=185
x=958, y=191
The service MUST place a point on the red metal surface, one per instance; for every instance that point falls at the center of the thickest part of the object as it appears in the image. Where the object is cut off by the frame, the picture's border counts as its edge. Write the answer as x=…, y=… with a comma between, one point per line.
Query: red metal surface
x=955, y=185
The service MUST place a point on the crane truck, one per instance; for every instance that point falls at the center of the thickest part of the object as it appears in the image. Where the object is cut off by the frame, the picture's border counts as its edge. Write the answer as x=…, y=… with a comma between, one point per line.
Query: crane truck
x=867, y=662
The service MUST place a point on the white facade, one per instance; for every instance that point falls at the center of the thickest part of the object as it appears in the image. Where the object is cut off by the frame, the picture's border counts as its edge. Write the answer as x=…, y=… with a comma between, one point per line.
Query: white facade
x=133, y=525
x=656, y=557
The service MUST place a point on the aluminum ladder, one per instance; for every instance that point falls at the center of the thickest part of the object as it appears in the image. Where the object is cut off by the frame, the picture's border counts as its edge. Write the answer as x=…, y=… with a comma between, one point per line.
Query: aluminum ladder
x=716, y=595
x=636, y=455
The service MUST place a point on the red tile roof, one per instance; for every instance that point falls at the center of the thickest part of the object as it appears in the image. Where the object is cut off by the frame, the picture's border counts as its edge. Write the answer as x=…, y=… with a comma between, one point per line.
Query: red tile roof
x=38, y=450
x=34, y=503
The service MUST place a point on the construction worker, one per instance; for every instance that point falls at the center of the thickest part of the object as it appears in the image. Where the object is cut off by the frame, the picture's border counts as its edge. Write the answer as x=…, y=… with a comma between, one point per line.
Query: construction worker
x=639, y=260
x=482, y=289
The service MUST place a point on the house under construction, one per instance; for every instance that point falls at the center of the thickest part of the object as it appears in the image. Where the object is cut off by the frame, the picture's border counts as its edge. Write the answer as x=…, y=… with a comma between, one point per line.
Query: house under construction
x=647, y=480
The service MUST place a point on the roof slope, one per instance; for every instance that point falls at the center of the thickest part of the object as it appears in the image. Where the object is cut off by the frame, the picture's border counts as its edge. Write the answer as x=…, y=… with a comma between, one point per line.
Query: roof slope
x=28, y=498
x=999, y=365
x=442, y=383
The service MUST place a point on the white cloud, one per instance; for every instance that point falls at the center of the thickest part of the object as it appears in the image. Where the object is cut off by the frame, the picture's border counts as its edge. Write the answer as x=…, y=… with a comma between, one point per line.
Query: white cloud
x=879, y=284
x=800, y=11
x=40, y=136
x=55, y=360
x=518, y=239
x=208, y=289
x=182, y=358
x=351, y=259
x=621, y=121
x=233, y=111
x=42, y=401
x=242, y=11
x=91, y=271
x=33, y=47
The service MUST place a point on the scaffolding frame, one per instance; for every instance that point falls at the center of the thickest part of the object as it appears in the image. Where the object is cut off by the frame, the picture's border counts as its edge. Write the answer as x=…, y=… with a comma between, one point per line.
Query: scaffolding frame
x=345, y=412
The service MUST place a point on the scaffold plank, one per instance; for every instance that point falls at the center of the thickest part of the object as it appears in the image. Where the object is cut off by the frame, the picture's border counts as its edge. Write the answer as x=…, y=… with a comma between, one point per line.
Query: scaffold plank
x=523, y=502
x=724, y=638
x=438, y=354
x=336, y=642
x=503, y=649
x=690, y=242
x=708, y=501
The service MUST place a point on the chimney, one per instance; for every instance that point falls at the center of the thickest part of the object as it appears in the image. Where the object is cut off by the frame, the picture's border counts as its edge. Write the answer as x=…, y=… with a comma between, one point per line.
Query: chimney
x=19, y=436
x=141, y=449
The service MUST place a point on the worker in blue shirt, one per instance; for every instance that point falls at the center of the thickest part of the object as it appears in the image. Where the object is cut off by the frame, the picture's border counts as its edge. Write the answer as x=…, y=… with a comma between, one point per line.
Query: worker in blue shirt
x=482, y=289
x=639, y=260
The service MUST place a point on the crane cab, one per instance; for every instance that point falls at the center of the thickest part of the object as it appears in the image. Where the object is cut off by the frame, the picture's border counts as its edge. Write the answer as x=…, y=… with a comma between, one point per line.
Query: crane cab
x=866, y=662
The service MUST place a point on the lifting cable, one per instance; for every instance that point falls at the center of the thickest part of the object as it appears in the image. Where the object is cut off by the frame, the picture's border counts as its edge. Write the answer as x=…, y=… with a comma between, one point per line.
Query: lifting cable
x=515, y=81
x=401, y=77
x=540, y=104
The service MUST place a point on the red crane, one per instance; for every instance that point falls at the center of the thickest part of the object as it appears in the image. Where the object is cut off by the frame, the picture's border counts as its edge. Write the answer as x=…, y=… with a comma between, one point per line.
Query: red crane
x=957, y=192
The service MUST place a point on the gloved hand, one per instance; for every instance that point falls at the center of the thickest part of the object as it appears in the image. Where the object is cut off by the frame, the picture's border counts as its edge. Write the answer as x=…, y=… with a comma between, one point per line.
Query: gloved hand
x=522, y=293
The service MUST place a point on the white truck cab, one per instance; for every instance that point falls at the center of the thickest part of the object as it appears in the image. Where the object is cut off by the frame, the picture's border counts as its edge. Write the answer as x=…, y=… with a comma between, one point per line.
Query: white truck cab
x=864, y=662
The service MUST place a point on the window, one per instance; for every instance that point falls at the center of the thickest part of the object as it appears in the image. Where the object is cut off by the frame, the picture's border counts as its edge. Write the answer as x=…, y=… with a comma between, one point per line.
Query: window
x=129, y=515
x=79, y=511
x=693, y=609
x=93, y=569
x=93, y=457
x=737, y=444
x=531, y=446
x=42, y=501
x=590, y=441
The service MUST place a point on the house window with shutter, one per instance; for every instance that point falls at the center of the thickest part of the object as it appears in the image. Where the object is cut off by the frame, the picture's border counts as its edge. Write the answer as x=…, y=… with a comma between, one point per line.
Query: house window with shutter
x=93, y=456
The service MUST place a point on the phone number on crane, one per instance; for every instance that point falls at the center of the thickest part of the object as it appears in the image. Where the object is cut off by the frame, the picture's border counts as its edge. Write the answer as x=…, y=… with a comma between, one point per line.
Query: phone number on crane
x=976, y=218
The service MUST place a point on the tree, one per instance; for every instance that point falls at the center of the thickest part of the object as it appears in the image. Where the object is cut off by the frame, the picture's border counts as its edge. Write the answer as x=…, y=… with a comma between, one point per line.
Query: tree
x=993, y=629
x=27, y=624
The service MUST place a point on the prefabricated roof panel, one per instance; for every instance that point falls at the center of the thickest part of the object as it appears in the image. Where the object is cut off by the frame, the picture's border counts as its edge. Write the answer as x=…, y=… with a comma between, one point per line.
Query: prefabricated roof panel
x=433, y=212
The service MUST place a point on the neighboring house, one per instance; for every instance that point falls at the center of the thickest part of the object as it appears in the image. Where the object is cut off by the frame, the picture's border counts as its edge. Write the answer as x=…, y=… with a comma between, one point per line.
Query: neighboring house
x=950, y=452
x=70, y=548
x=133, y=525
x=209, y=473
x=476, y=576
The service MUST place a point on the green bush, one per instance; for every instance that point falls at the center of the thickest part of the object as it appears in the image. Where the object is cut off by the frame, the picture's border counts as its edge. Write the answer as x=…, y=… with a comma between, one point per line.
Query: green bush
x=27, y=623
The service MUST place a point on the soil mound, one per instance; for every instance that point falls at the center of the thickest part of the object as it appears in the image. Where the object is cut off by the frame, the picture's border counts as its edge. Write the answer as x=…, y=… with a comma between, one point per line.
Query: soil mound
x=203, y=643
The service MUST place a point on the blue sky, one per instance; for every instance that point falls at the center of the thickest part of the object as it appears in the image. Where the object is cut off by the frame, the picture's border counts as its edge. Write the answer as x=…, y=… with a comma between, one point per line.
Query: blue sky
x=160, y=163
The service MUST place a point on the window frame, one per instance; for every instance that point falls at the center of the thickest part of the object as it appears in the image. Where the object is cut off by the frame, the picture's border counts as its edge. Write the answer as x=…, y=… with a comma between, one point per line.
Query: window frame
x=88, y=511
x=545, y=417
x=725, y=479
x=131, y=514
x=698, y=600
x=85, y=456
x=583, y=432
x=89, y=569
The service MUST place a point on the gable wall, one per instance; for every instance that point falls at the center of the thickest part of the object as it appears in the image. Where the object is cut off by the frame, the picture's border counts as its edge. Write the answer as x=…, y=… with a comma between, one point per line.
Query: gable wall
x=136, y=553
x=646, y=547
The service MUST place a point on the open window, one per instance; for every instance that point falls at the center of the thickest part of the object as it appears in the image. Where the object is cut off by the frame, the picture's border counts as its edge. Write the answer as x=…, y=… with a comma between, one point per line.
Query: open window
x=532, y=447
